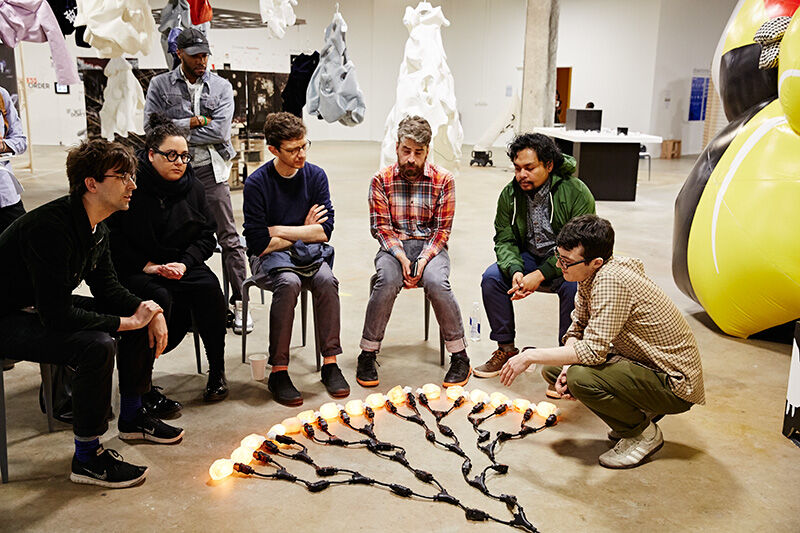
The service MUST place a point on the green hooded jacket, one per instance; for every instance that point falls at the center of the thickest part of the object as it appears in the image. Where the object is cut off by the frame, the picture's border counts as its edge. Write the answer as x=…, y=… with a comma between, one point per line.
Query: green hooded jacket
x=569, y=197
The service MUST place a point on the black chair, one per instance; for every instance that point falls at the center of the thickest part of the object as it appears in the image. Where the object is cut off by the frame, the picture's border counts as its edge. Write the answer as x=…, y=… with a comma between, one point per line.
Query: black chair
x=47, y=385
x=644, y=155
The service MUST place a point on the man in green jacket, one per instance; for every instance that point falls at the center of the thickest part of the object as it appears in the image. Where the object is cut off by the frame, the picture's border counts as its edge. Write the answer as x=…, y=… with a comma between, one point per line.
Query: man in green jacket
x=543, y=196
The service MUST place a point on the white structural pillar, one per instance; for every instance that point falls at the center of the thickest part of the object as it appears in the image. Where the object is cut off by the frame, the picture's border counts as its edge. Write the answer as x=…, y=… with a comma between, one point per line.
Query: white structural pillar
x=539, y=69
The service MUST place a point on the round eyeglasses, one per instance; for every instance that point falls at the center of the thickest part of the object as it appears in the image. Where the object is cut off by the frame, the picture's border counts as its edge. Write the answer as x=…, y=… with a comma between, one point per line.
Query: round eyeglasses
x=173, y=155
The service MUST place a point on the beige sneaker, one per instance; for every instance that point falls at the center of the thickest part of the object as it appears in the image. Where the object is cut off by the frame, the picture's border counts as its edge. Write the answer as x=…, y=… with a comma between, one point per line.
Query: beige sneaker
x=492, y=367
x=631, y=452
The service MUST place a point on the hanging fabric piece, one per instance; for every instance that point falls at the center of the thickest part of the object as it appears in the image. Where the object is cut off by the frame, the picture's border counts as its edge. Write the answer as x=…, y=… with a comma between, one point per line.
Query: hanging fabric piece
x=425, y=87
x=34, y=21
x=277, y=15
x=123, y=101
x=333, y=92
x=176, y=15
x=201, y=11
x=294, y=93
x=116, y=27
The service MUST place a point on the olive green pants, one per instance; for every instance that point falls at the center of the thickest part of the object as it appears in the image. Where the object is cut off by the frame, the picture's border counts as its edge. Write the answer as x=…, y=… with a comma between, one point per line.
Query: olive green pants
x=623, y=394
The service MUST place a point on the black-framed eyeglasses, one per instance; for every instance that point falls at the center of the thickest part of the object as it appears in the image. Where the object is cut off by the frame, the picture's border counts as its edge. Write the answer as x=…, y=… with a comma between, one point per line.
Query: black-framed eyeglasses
x=565, y=266
x=295, y=151
x=173, y=155
x=126, y=179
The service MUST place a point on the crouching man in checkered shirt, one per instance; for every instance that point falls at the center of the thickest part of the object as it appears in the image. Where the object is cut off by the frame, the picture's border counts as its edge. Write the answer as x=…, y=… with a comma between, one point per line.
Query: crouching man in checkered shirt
x=629, y=355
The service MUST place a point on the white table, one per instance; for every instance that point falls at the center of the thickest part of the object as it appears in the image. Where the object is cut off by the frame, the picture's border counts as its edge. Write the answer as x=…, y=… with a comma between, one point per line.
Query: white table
x=608, y=162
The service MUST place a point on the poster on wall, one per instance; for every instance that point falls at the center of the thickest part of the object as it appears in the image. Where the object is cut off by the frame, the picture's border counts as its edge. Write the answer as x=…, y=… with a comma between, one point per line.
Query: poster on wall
x=8, y=73
x=698, y=98
x=263, y=97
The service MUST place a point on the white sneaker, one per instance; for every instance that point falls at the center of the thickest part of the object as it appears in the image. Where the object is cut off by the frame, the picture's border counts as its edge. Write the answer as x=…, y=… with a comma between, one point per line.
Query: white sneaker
x=630, y=452
x=237, y=319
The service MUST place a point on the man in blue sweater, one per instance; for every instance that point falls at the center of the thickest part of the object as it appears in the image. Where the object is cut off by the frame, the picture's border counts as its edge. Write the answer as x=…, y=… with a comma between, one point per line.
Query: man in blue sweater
x=288, y=220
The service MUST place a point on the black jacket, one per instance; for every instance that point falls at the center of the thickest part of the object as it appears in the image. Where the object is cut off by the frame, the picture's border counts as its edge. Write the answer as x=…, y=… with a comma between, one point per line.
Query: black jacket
x=46, y=253
x=168, y=222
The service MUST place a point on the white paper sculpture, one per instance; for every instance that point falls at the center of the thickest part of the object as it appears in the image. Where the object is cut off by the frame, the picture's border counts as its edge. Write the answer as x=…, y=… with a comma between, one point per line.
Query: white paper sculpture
x=277, y=15
x=123, y=101
x=425, y=87
x=333, y=92
x=117, y=27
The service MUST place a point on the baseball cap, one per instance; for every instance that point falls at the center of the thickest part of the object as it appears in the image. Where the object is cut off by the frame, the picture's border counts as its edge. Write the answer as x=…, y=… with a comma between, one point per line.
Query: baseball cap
x=193, y=41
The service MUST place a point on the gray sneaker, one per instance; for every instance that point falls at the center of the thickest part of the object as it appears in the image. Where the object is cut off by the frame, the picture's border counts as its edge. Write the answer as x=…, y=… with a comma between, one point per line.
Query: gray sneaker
x=631, y=452
x=492, y=367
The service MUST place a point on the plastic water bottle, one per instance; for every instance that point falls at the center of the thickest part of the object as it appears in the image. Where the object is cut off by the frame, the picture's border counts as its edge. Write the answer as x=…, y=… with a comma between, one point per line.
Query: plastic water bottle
x=475, y=322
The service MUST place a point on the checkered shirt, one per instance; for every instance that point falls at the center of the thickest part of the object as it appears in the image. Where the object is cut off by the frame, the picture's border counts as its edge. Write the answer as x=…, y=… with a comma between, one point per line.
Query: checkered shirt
x=621, y=312
x=400, y=209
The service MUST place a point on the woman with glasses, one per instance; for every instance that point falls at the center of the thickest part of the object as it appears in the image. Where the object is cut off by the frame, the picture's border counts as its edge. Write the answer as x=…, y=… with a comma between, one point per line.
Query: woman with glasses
x=159, y=247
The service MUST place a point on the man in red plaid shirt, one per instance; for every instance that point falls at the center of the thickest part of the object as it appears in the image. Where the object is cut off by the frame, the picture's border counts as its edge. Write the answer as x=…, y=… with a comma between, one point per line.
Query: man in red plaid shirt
x=411, y=206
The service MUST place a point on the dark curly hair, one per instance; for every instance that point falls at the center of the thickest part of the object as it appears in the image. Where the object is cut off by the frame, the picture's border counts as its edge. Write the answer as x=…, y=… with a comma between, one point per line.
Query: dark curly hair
x=282, y=126
x=160, y=127
x=92, y=159
x=546, y=150
x=595, y=234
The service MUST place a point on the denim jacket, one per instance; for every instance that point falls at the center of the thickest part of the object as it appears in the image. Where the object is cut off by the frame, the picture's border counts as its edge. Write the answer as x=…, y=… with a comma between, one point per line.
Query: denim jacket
x=169, y=95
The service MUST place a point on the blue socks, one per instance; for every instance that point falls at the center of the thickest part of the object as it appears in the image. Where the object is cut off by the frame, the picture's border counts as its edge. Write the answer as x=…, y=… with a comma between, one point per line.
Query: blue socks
x=85, y=450
x=129, y=406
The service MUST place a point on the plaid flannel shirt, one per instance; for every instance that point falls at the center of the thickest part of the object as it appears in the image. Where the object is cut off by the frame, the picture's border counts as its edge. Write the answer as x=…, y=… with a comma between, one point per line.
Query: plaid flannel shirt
x=620, y=312
x=400, y=209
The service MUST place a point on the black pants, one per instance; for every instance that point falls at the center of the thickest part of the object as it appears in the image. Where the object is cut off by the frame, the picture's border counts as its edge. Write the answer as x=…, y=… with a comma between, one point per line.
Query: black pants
x=9, y=214
x=89, y=353
x=197, y=293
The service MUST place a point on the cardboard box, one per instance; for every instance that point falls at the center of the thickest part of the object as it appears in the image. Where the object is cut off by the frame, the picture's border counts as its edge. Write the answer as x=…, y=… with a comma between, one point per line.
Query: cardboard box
x=670, y=149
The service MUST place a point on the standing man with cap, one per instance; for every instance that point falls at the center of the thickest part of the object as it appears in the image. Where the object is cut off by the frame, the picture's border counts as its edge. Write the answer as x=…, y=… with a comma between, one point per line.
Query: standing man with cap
x=202, y=102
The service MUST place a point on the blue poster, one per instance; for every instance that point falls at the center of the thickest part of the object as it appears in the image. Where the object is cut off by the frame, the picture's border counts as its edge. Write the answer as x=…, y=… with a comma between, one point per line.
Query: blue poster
x=699, y=97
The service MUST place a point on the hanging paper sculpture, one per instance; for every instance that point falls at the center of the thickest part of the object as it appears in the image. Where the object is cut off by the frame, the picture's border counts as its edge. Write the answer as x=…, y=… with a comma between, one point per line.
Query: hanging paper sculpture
x=277, y=15
x=117, y=27
x=736, y=249
x=123, y=101
x=176, y=17
x=400, y=402
x=34, y=21
x=333, y=92
x=425, y=87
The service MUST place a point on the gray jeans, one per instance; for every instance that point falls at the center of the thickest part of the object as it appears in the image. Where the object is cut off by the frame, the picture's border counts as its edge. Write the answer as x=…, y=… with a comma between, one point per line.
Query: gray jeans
x=285, y=288
x=434, y=281
x=233, y=251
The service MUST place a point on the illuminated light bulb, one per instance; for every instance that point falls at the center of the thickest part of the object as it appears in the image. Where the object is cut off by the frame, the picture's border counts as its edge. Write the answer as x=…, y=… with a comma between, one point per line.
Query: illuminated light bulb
x=496, y=398
x=293, y=425
x=354, y=407
x=455, y=392
x=307, y=417
x=545, y=409
x=521, y=405
x=274, y=431
x=397, y=395
x=329, y=411
x=253, y=440
x=220, y=469
x=477, y=396
x=376, y=400
x=431, y=391
x=242, y=454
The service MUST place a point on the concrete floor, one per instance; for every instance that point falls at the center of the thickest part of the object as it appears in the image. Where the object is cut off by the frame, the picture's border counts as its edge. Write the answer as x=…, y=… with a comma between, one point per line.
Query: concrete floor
x=724, y=466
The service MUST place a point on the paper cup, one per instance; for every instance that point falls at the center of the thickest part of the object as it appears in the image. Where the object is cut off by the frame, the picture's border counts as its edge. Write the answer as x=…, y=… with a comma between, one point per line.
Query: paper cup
x=258, y=366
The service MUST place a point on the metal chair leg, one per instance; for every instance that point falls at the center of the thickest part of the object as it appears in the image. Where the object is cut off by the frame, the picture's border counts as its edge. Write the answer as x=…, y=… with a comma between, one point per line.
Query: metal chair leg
x=317, y=352
x=427, y=316
x=47, y=386
x=441, y=349
x=3, y=436
x=245, y=303
x=304, y=314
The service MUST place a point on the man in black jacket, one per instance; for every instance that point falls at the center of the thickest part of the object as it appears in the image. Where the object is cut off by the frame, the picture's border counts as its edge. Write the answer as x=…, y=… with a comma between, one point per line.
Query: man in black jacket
x=45, y=256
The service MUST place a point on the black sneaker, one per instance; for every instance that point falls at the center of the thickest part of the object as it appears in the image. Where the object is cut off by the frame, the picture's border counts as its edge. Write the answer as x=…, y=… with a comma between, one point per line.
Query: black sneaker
x=459, y=371
x=334, y=381
x=147, y=427
x=159, y=405
x=107, y=469
x=283, y=390
x=367, y=369
x=217, y=386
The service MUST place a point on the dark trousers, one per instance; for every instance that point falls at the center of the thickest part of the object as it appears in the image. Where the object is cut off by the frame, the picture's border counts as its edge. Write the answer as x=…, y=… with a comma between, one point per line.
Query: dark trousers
x=89, y=353
x=500, y=310
x=197, y=293
x=9, y=214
